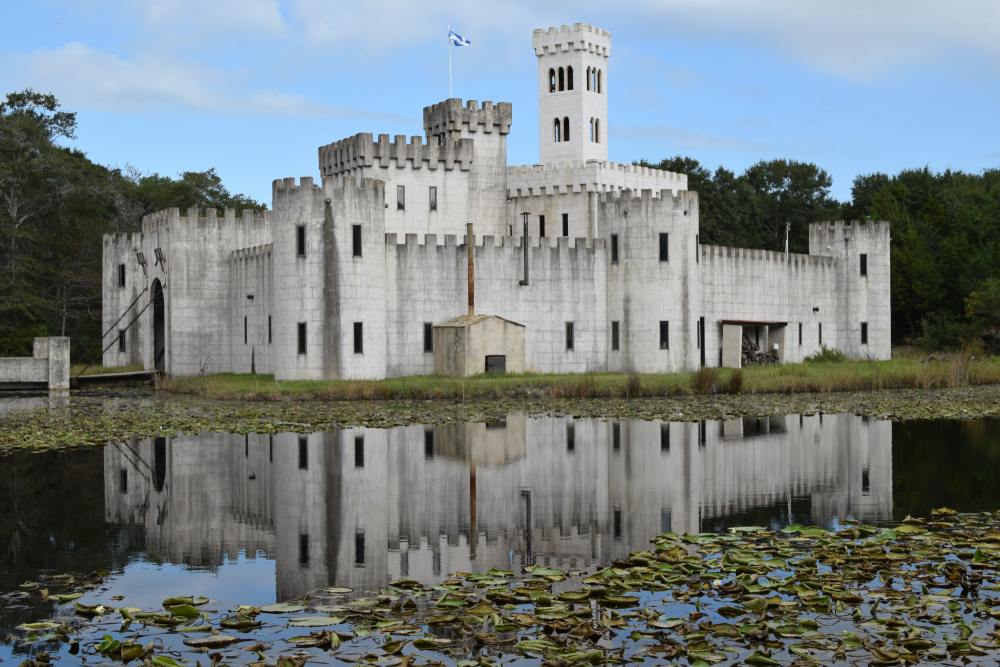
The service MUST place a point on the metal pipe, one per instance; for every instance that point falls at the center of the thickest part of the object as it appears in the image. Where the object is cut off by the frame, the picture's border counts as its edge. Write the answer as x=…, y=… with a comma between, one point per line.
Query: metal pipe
x=524, y=242
x=470, y=244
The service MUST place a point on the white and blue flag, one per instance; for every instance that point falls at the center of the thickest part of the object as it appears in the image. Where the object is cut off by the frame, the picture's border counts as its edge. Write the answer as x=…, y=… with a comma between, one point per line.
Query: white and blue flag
x=457, y=39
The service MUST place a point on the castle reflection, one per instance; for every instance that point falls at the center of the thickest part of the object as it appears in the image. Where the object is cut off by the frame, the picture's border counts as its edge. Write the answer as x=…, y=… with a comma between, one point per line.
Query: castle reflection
x=360, y=507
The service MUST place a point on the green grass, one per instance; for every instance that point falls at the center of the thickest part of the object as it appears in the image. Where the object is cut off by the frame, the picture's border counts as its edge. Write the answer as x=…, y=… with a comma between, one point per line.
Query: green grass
x=909, y=370
x=97, y=369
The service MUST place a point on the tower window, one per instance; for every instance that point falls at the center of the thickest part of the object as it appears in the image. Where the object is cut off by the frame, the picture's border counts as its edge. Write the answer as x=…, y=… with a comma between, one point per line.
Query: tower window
x=552, y=81
x=591, y=130
x=428, y=337
x=556, y=126
x=359, y=451
x=599, y=81
x=864, y=333
x=434, y=198
x=569, y=78
x=121, y=340
x=300, y=241
x=541, y=225
x=615, y=345
x=359, y=346
x=597, y=130
x=569, y=335
x=269, y=338
x=821, y=334
x=665, y=439
x=614, y=247
x=565, y=224
x=864, y=264
x=303, y=453
x=400, y=197
x=800, y=333
x=588, y=78
x=121, y=275
x=246, y=330
x=302, y=337
x=664, y=335
x=565, y=136
x=664, y=247
x=562, y=79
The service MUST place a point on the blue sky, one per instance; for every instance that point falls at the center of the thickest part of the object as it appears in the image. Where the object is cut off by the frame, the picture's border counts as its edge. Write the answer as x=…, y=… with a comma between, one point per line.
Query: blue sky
x=253, y=87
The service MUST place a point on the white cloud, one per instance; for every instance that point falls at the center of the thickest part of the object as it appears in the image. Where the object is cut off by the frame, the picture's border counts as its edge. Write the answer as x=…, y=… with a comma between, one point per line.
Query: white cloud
x=86, y=78
x=259, y=18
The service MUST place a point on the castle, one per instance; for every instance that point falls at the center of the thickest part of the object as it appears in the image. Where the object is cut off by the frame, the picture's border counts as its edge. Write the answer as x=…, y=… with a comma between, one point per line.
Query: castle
x=573, y=265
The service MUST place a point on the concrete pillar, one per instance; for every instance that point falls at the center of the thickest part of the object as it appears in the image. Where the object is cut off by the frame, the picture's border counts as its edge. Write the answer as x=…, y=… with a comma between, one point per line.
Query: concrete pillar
x=776, y=336
x=732, y=346
x=56, y=350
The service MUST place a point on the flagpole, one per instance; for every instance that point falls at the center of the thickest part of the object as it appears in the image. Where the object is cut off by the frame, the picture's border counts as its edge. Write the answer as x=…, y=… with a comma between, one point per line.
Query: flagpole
x=451, y=92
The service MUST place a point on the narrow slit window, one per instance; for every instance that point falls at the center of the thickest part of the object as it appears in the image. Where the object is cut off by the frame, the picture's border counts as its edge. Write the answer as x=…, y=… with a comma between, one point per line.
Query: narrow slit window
x=614, y=336
x=588, y=78
x=359, y=548
x=300, y=241
x=565, y=129
x=614, y=247
x=359, y=451
x=800, y=333
x=616, y=436
x=356, y=240
x=556, y=126
x=569, y=335
x=433, y=196
x=864, y=264
x=429, y=443
x=864, y=333
x=571, y=438
x=569, y=78
x=121, y=340
x=866, y=483
x=400, y=197
x=591, y=130
x=302, y=337
x=541, y=225
x=599, y=83
x=597, y=131
x=246, y=330
x=303, y=453
x=121, y=275
x=428, y=337
x=123, y=481
x=697, y=248
x=664, y=335
x=552, y=81
x=359, y=347
x=269, y=337
x=618, y=525
x=565, y=221
x=562, y=79
x=664, y=247
x=664, y=438
x=304, y=549
x=821, y=334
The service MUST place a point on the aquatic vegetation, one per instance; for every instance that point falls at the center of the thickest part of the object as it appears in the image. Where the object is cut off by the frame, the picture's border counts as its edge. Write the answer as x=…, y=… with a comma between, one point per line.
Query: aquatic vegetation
x=923, y=590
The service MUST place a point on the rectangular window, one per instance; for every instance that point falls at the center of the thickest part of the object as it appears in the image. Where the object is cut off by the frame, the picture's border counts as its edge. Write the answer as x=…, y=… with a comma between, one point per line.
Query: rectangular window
x=303, y=453
x=618, y=525
x=616, y=436
x=246, y=330
x=614, y=247
x=821, y=334
x=569, y=335
x=866, y=483
x=121, y=340
x=300, y=241
x=800, y=333
x=433, y=198
x=570, y=437
x=697, y=334
x=356, y=240
x=123, y=480
x=664, y=247
x=359, y=548
x=304, y=549
x=541, y=225
x=359, y=451
x=614, y=336
x=121, y=275
x=864, y=333
x=400, y=198
x=697, y=248
x=664, y=335
x=359, y=346
x=269, y=329
x=302, y=337
x=428, y=337
x=565, y=224
x=864, y=264
x=664, y=438
x=429, y=443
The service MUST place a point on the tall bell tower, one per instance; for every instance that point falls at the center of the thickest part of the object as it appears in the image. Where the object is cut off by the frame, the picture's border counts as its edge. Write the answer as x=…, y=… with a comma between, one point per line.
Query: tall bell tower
x=572, y=92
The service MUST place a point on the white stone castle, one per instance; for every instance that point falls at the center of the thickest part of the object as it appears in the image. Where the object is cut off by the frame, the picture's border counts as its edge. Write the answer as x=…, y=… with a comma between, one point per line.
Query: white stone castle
x=578, y=264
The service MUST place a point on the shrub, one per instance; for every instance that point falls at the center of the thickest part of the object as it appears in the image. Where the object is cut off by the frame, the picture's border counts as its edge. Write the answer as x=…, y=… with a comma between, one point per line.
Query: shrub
x=704, y=381
x=734, y=384
x=827, y=355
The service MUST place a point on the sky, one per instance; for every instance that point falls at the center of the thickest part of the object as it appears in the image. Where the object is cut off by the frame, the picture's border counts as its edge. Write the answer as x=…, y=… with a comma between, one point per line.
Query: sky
x=253, y=87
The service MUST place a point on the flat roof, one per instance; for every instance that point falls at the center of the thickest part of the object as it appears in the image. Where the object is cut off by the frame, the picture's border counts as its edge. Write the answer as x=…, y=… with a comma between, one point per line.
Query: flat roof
x=769, y=323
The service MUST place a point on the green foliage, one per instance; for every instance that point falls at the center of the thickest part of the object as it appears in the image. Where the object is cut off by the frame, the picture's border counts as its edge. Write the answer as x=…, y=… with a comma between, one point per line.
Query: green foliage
x=827, y=355
x=941, y=331
x=982, y=308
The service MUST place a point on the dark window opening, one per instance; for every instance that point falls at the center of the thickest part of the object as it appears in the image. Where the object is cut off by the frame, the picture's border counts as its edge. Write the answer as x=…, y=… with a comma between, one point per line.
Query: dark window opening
x=433, y=198
x=304, y=549
x=552, y=81
x=400, y=197
x=496, y=364
x=664, y=438
x=800, y=333
x=617, y=525
x=270, y=449
x=866, y=483
x=302, y=337
x=428, y=336
x=562, y=79
x=864, y=333
x=429, y=444
x=864, y=264
x=664, y=247
x=821, y=334
x=303, y=453
x=123, y=481
x=121, y=275
x=359, y=346
x=570, y=437
x=269, y=338
x=565, y=217
x=121, y=340
x=359, y=451
x=588, y=78
x=616, y=436
x=569, y=335
x=614, y=247
x=664, y=335
x=569, y=78
x=614, y=336
x=359, y=548
x=246, y=330
x=702, y=433
x=697, y=248
x=665, y=522
x=246, y=446
x=356, y=240
x=557, y=126
x=436, y=562
x=300, y=241
x=404, y=564
x=541, y=225
x=565, y=129
x=599, y=86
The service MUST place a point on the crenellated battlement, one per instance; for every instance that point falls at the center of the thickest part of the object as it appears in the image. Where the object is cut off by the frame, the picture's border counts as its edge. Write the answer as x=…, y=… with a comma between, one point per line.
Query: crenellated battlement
x=711, y=253
x=451, y=116
x=664, y=197
x=579, y=36
x=490, y=241
x=361, y=151
x=589, y=176
x=247, y=219
x=853, y=228
x=254, y=252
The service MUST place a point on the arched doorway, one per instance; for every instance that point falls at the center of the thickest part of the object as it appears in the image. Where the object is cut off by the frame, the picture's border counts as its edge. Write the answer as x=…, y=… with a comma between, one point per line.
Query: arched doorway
x=159, y=337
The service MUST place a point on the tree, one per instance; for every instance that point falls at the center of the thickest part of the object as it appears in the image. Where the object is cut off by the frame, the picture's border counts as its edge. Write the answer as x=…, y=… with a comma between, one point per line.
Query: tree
x=789, y=192
x=982, y=308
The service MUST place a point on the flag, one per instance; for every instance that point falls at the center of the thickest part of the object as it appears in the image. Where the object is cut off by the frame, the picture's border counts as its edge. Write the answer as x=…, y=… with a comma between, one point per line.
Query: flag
x=458, y=40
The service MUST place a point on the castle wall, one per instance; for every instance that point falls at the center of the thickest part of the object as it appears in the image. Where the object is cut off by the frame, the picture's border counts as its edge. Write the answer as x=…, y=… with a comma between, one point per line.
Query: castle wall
x=117, y=301
x=251, y=327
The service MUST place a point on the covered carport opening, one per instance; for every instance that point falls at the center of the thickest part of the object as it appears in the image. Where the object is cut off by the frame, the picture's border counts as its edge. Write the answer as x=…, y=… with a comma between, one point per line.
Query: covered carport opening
x=768, y=334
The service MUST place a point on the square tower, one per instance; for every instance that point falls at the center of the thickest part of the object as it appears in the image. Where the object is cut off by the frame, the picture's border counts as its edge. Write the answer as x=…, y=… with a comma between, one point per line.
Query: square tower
x=572, y=92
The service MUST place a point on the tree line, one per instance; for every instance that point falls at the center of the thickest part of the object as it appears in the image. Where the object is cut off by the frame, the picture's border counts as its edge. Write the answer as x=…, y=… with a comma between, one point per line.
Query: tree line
x=945, y=230
x=55, y=207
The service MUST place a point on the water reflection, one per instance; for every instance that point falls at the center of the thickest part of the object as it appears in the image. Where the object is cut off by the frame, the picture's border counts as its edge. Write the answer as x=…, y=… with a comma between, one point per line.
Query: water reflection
x=360, y=507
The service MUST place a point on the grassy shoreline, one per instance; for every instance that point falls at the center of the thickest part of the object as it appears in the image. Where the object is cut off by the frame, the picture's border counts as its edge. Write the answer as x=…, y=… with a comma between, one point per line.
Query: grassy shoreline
x=908, y=371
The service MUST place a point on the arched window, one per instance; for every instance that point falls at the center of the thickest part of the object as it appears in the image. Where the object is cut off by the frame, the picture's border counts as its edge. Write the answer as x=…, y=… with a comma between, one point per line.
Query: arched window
x=588, y=78
x=565, y=136
x=591, y=129
x=597, y=131
x=552, y=81
x=562, y=79
x=569, y=78
x=555, y=131
x=599, y=72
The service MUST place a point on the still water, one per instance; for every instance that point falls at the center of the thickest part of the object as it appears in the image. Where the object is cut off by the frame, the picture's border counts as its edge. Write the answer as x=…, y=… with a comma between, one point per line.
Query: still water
x=257, y=519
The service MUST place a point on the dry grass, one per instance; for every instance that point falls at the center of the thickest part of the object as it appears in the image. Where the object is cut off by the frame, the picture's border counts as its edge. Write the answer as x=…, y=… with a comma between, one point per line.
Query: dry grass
x=963, y=368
